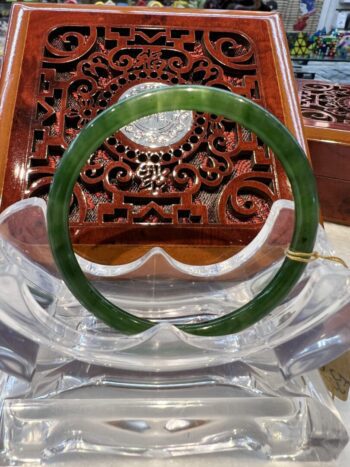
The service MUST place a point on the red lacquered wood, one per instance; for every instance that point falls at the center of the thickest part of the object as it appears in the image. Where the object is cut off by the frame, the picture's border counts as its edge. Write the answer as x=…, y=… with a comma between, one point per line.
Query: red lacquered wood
x=67, y=63
x=326, y=114
x=334, y=197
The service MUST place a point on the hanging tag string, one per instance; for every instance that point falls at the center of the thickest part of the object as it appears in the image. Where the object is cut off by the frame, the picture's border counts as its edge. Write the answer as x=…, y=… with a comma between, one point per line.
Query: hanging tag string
x=302, y=257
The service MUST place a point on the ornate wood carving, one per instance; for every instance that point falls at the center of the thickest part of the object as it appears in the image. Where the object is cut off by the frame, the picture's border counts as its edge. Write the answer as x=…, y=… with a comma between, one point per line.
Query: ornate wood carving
x=326, y=111
x=214, y=173
x=325, y=102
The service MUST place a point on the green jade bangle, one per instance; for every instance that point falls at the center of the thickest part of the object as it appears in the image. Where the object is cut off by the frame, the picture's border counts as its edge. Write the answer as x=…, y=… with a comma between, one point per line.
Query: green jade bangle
x=202, y=99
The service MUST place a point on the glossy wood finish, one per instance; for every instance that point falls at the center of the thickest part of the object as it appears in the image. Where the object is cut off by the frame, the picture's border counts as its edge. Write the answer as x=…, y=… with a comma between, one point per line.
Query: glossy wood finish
x=331, y=162
x=326, y=115
x=79, y=60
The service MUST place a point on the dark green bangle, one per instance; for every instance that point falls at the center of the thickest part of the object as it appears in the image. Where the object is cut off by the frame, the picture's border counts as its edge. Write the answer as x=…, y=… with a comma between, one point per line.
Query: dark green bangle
x=202, y=99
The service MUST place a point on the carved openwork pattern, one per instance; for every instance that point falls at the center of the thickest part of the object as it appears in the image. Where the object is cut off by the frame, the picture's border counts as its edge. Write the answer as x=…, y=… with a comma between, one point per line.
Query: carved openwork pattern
x=217, y=173
x=326, y=102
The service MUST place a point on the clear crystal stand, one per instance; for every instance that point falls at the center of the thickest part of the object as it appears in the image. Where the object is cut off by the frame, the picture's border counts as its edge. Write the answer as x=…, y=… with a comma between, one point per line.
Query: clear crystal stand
x=73, y=387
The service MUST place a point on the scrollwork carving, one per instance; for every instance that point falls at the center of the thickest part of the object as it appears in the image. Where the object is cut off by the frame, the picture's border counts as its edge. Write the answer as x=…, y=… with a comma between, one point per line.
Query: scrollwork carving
x=325, y=102
x=67, y=44
x=209, y=175
x=231, y=49
x=246, y=196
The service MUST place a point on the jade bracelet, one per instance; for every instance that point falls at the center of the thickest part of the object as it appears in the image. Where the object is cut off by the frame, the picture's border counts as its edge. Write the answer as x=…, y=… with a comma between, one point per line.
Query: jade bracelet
x=201, y=99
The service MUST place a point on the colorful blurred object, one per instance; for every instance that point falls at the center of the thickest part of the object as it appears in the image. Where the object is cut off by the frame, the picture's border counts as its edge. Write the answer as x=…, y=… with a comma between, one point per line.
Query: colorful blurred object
x=307, y=6
x=300, y=47
x=320, y=44
x=343, y=48
x=181, y=4
x=307, y=9
x=155, y=4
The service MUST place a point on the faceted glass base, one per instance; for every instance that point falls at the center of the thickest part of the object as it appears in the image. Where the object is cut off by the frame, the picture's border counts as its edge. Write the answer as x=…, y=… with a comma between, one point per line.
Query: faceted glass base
x=72, y=388
x=161, y=419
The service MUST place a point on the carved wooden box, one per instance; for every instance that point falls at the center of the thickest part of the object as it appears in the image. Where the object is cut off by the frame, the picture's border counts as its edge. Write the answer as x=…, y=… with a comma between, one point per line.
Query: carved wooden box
x=197, y=184
x=326, y=112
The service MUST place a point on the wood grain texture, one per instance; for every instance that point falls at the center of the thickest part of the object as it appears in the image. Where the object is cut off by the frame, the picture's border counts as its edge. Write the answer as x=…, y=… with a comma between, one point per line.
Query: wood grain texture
x=326, y=114
x=334, y=199
x=214, y=187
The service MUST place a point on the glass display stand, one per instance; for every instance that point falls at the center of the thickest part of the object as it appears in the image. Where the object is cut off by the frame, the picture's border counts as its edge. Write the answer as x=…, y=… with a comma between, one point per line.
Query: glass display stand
x=72, y=387
x=212, y=372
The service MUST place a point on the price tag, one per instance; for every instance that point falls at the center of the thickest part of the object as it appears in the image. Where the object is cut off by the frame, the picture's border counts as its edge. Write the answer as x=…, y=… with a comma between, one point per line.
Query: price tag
x=336, y=376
